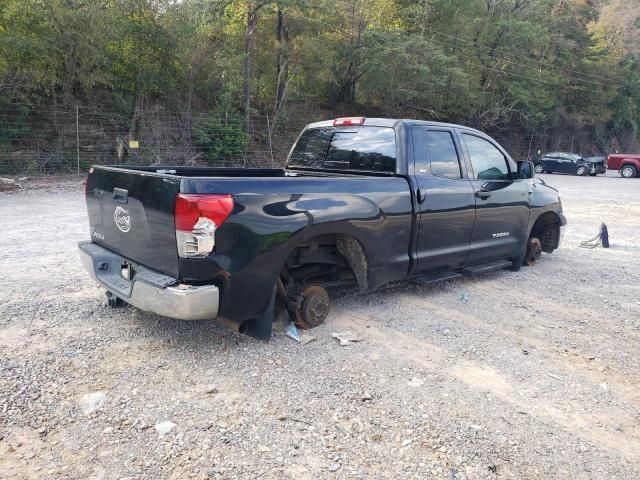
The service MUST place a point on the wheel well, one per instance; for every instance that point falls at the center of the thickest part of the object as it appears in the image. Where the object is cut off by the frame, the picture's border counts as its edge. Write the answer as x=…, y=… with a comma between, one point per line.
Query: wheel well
x=547, y=229
x=330, y=259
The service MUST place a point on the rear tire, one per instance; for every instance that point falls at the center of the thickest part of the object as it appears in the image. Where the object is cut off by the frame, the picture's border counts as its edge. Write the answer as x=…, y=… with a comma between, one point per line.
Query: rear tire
x=628, y=171
x=538, y=168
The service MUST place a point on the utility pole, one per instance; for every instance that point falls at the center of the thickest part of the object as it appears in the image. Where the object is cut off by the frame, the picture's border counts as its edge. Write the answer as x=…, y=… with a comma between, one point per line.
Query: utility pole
x=77, y=141
x=270, y=144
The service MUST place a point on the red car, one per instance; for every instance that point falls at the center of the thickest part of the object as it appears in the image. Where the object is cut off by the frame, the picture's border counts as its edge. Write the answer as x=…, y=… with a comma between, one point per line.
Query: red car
x=627, y=165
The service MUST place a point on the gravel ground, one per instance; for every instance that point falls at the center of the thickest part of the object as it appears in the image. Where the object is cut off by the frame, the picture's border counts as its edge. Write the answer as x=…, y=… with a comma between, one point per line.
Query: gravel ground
x=533, y=374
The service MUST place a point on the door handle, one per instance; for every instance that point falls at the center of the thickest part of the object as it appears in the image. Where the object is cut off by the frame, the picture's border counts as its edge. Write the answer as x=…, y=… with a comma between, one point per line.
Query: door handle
x=420, y=195
x=121, y=195
x=483, y=194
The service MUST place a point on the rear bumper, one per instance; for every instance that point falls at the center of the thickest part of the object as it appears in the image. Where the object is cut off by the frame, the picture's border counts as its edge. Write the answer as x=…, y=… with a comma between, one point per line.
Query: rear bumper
x=149, y=290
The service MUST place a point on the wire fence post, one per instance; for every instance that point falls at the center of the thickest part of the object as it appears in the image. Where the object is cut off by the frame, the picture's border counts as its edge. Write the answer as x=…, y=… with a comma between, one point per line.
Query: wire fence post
x=270, y=144
x=77, y=141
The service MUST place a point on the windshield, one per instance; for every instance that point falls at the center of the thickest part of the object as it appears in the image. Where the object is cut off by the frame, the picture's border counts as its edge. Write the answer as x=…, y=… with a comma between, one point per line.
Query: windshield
x=371, y=149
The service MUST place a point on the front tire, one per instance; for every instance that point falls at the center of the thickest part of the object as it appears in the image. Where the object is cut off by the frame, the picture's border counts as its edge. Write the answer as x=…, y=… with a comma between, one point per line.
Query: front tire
x=582, y=171
x=538, y=168
x=628, y=171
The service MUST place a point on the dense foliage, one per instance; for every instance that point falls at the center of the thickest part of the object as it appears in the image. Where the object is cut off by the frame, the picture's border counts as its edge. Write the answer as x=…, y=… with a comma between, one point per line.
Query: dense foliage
x=219, y=137
x=525, y=66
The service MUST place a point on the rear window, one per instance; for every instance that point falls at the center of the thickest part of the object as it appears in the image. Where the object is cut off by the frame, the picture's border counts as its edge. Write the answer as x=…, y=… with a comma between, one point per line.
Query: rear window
x=369, y=149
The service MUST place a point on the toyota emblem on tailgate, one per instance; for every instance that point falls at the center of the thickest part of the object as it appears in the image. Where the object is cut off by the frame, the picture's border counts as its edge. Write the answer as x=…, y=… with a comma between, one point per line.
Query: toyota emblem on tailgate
x=122, y=219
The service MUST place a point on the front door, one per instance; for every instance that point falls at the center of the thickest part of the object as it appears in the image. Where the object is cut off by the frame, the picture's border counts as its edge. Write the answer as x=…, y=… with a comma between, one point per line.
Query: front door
x=566, y=164
x=502, y=203
x=445, y=203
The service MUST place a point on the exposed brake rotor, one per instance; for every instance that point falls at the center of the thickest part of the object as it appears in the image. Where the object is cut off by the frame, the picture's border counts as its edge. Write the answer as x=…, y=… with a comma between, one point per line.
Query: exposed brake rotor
x=314, y=307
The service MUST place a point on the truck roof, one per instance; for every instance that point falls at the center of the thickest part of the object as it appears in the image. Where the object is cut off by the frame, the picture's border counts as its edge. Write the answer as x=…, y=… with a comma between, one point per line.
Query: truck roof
x=393, y=122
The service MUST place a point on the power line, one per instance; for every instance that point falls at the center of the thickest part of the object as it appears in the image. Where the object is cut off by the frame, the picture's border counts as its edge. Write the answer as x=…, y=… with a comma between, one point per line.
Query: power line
x=517, y=75
x=529, y=66
x=539, y=62
x=558, y=69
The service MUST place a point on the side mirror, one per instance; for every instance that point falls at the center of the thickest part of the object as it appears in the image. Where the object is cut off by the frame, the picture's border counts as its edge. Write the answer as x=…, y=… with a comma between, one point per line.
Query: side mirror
x=525, y=169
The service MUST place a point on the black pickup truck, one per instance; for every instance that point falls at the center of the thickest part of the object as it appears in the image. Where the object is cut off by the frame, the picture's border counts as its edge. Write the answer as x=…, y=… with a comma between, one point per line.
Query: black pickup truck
x=361, y=201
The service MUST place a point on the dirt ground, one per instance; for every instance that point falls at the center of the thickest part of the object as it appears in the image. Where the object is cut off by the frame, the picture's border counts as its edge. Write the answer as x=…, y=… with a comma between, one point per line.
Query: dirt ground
x=534, y=374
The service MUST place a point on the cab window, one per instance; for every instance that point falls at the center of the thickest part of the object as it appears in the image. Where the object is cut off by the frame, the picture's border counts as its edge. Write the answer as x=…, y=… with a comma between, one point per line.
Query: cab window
x=487, y=161
x=435, y=153
x=358, y=148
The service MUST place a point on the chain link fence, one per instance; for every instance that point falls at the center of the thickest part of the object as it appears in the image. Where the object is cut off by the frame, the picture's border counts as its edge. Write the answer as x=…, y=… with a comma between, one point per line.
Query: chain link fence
x=66, y=141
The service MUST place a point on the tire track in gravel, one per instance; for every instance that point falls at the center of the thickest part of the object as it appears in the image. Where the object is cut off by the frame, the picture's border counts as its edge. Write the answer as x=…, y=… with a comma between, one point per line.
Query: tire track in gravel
x=535, y=334
x=483, y=377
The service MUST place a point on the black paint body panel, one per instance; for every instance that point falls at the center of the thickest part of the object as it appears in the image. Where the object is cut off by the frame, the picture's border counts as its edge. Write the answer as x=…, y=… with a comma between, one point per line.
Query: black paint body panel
x=150, y=205
x=254, y=242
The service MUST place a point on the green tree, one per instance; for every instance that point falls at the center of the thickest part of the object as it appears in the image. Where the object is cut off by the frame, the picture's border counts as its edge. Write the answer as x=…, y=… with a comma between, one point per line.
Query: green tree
x=221, y=138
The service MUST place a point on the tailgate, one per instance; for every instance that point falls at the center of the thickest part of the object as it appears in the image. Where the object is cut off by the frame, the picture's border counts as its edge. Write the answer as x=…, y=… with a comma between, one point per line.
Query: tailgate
x=132, y=213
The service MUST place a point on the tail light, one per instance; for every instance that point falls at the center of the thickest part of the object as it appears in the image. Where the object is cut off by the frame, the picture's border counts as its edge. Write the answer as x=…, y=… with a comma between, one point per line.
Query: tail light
x=86, y=182
x=197, y=218
x=338, y=122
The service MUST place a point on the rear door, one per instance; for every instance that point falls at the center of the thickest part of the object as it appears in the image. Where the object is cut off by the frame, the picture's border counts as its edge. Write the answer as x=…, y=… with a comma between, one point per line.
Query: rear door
x=502, y=202
x=132, y=213
x=445, y=203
